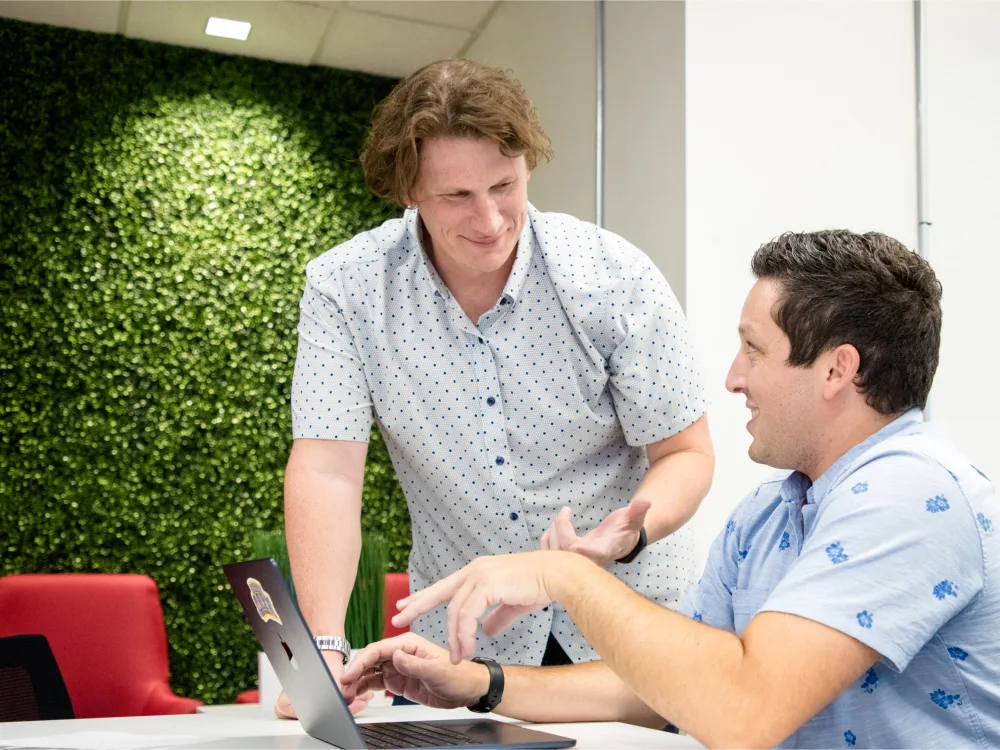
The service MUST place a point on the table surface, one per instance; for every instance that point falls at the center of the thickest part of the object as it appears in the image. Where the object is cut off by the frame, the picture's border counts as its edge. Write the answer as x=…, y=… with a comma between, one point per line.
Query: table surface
x=218, y=722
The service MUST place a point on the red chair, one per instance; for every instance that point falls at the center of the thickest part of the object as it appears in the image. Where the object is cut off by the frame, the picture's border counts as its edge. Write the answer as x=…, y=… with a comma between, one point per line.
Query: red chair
x=397, y=586
x=106, y=632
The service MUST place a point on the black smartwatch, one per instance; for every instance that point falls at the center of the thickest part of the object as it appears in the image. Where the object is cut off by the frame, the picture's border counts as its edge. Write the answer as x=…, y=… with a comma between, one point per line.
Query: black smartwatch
x=639, y=547
x=495, y=692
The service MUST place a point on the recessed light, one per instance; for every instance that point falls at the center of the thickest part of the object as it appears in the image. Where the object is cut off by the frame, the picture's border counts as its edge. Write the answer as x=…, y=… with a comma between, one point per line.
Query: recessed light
x=229, y=29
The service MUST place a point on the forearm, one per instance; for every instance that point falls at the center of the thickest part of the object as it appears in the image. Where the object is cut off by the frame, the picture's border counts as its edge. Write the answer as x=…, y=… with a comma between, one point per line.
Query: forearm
x=577, y=692
x=675, y=485
x=323, y=531
x=689, y=673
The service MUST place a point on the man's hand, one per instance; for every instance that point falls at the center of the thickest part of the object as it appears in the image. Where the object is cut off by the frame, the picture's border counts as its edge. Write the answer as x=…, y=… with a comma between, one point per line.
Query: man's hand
x=335, y=662
x=615, y=537
x=516, y=584
x=418, y=670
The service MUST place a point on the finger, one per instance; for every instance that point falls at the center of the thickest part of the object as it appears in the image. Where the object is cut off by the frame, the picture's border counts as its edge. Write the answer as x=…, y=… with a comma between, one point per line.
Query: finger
x=457, y=615
x=503, y=616
x=427, y=599
x=545, y=542
x=360, y=703
x=565, y=533
x=283, y=707
x=380, y=651
x=636, y=512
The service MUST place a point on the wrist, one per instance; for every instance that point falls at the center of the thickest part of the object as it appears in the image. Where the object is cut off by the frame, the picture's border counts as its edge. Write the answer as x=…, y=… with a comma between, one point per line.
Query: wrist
x=558, y=577
x=639, y=545
x=478, y=681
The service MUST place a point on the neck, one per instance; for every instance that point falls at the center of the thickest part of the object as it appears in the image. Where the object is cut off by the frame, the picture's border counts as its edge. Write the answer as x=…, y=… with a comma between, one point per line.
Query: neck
x=842, y=434
x=475, y=291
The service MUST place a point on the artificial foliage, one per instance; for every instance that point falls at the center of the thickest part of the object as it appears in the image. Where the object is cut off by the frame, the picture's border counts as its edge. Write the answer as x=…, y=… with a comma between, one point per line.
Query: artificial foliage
x=157, y=208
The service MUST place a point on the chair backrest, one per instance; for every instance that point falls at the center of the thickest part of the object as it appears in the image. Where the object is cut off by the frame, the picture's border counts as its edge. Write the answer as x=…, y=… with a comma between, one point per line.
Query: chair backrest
x=31, y=687
x=106, y=631
x=397, y=586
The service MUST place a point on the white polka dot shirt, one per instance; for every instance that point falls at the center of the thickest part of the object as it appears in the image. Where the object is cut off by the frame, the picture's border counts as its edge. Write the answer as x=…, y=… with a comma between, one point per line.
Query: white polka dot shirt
x=492, y=428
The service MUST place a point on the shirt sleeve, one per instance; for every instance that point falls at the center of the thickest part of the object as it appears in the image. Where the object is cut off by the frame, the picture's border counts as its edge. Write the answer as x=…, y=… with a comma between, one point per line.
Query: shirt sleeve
x=710, y=600
x=656, y=383
x=330, y=395
x=894, y=554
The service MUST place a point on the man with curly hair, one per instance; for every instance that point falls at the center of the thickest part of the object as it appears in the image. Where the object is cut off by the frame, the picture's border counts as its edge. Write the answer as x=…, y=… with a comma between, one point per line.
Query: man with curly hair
x=530, y=373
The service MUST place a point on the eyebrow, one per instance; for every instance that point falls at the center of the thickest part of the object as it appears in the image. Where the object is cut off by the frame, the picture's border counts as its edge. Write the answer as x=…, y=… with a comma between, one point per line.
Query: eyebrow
x=504, y=181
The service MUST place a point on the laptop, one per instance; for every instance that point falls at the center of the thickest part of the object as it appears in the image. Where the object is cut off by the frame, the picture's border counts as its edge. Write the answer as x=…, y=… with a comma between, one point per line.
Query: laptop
x=285, y=637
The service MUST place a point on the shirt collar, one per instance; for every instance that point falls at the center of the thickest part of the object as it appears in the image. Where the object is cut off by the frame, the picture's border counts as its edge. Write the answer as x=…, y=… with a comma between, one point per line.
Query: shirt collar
x=518, y=273
x=832, y=476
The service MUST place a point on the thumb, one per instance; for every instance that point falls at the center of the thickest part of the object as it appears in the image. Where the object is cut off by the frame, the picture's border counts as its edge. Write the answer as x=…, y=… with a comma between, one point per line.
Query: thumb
x=410, y=665
x=563, y=527
x=636, y=513
x=503, y=616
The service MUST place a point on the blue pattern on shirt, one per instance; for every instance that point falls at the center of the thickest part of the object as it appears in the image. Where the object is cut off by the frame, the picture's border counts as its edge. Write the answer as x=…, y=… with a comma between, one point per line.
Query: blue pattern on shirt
x=914, y=580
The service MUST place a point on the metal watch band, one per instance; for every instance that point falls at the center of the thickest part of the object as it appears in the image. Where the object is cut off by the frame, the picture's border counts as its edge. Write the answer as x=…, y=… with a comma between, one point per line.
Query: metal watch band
x=334, y=643
x=639, y=547
x=495, y=692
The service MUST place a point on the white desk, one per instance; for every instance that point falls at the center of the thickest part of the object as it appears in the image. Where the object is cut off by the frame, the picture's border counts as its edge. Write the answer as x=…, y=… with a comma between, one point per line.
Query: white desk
x=219, y=722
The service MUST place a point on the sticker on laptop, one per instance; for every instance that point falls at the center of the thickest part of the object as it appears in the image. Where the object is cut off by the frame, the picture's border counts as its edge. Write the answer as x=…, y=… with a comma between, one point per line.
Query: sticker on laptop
x=262, y=601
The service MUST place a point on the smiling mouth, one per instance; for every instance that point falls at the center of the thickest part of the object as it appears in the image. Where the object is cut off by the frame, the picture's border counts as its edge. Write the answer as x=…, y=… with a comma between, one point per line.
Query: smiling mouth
x=487, y=242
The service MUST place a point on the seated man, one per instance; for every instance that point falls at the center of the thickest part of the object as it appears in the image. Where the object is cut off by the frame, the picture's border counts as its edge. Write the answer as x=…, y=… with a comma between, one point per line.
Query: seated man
x=853, y=600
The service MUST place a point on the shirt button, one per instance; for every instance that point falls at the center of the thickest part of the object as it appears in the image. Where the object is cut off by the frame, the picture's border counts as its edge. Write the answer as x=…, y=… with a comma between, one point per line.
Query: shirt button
x=481, y=340
x=503, y=301
x=545, y=609
x=490, y=401
x=513, y=516
x=499, y=460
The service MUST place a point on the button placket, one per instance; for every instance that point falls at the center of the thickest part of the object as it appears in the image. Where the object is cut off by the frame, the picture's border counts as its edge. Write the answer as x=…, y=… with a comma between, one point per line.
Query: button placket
x=497, y=447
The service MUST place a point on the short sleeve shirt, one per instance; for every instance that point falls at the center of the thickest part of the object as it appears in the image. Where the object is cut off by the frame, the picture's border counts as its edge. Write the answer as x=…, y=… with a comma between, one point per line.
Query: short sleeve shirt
x=896, y=546
x=548, y=400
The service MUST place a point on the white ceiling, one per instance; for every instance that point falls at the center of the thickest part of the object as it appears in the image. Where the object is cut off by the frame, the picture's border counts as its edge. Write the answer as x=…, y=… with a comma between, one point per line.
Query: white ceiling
x=387, y=37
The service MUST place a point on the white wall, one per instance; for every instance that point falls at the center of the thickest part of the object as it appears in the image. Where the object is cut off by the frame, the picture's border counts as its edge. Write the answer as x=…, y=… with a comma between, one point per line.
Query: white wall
x=550, y=46
x=963, y=166
x=800, y=116
x=644, y=180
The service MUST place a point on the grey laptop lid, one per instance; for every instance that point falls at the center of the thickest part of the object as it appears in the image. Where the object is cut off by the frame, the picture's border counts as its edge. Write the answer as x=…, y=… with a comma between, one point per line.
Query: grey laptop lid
x=305, y=678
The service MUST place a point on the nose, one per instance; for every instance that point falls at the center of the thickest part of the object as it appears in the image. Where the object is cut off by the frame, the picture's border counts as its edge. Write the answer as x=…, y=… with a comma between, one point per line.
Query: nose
x=487, y=220
x=736, y=380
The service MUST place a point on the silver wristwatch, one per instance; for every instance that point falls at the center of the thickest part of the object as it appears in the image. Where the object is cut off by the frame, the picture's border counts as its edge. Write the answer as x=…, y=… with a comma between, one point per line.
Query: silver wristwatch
x=334, y=643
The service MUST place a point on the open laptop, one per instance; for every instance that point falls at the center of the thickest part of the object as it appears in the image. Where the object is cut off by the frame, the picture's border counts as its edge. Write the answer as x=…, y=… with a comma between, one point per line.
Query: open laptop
x=285, y=637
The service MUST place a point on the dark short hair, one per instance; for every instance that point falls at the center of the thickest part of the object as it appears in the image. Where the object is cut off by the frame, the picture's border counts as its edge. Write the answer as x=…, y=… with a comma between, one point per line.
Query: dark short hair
x=448, y=98
x=868, y=290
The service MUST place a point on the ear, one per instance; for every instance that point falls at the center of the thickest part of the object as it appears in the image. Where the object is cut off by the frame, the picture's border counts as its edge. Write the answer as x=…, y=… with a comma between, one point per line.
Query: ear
x=841, y=370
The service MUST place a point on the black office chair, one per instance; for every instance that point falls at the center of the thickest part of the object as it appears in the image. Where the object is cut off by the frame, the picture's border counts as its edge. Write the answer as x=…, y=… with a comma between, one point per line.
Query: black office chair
x=31, y=686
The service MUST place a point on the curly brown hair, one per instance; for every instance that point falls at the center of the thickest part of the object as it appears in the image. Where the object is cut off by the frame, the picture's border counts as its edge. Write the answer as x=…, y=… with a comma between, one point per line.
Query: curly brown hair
x=867, y=290
x=448, y=98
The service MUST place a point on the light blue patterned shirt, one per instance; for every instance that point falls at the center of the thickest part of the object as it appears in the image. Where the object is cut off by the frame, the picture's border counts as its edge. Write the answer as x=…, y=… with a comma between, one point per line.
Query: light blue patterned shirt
x=492, y=428
x=895, y=545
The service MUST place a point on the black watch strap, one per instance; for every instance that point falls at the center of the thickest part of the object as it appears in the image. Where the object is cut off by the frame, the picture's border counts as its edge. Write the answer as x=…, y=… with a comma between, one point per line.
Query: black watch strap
x=639, y=547
x=493, y=696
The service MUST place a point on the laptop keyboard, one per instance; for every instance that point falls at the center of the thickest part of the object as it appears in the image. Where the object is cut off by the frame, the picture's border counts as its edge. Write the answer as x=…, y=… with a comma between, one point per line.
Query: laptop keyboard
x=413, y=734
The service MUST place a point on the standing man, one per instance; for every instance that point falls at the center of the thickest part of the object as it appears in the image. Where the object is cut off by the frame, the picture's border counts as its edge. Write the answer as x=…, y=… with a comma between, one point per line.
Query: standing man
x=531, y=375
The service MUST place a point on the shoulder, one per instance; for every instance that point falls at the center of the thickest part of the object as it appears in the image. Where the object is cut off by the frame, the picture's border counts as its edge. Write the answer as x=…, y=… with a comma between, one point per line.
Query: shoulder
x=373, y=247
x=899, y=468
x=587, y=257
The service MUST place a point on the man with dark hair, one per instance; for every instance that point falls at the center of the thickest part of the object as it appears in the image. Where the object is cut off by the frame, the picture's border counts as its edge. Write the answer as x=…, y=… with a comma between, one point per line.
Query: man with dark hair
x=530, y=373
x=852, y=600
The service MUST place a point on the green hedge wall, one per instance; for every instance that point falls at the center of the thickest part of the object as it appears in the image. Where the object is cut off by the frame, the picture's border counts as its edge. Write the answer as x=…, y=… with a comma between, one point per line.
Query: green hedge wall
x=158, y=207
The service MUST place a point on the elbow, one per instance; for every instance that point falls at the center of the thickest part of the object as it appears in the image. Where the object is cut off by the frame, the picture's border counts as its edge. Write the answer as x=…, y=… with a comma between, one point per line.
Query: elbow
x=754, y=732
